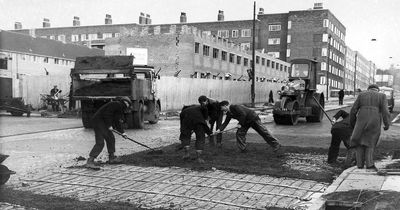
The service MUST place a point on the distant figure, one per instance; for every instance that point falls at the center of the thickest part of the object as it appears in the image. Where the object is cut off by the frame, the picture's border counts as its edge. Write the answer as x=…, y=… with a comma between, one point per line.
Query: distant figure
x=341, y=96
x=71, y=103
x=271, y=97
x=366, y=116
x=54, y=93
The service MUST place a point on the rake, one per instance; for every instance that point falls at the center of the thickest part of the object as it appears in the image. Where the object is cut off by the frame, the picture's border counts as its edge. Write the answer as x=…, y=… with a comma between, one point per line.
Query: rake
x=152, y=151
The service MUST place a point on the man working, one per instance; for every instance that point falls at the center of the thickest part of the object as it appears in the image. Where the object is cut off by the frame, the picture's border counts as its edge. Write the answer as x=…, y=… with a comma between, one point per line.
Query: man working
x=341, y=131
x=192, y=118
x=54, y=93
x=214, y=114
x=247, y=118
x=108, y=116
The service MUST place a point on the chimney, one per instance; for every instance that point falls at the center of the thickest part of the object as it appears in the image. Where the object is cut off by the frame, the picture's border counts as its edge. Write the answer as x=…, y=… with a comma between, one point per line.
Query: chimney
x=142, y=19
x=148, y=20
x=220, y=15
x=108, y=20
x=183, y=18
x=318, y=5
x=46, y=23
x=261, y=11
x=76, y=21
x=17, y=25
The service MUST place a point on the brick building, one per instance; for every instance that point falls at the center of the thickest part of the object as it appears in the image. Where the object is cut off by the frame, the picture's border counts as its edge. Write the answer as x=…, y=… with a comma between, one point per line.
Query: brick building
x=30, y=66
x=315, y=34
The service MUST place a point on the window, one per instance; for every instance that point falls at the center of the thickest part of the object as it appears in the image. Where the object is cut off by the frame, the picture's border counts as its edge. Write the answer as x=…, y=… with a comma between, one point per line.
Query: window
x=246, y=32
x=74, y=38
x=206, y=50
x=238, y=59
x=274, y=27
x=223, y=33
x=245, y=61
x=215, y=52
x=223, y=55
x=273, y=64
x=324, y=51
x=92, y=36
x=277, y=65
x=273, y=41
x=263, y=61
x=274, y=54
x=324, y=37
x=326, y=23
x=288, y=53
x=323, y=66
x=322, y=80
x=56, y=61
x=281, y=67
x=117, y=35
x=245, y=46
x=196, y=47
x=52, y=37
x=231, y=57
x=46, y=59
x=83, y=37
x=4, y=63
x=206, y=33
x=61, y=38
x=289, y=38
x=289, y=24
x=235, y=33
x=268, y=63
x=107, y=35
x=257, y=59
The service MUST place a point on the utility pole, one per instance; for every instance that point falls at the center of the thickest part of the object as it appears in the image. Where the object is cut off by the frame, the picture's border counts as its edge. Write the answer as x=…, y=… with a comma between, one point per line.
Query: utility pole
x=327, y=70
x=253, y=72
x=355, y=73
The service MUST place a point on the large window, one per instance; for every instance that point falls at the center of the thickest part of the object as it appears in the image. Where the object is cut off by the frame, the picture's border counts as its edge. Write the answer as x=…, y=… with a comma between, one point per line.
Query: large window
x=196, y=47
x=288, y=53
x=92, y=36
x=238, y=60
x=326, y=23
x=274, y=27
x=223, y=55
x=324, y=51
x=246, y=33
x=61, y=37
x=74, y=37
x=289, y=24
x=83, y=37
x=274, y=41
x=223, y=33
x=215, y=53
x=289, y=38
x=107, y=35
x=3, y=63
x=206, y=50
x=235, y=33
x=231, y=57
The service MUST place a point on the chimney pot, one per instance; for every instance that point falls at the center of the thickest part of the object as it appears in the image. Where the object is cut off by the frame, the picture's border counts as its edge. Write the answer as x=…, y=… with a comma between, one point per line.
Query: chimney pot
x=17, y=25
x=318, y=5
x=108, y=19
x=76, y=21
x=46, y=23
x=142, y=19
x=147, y=19
x=220, y=15
x=261, y=11
x=183, y=18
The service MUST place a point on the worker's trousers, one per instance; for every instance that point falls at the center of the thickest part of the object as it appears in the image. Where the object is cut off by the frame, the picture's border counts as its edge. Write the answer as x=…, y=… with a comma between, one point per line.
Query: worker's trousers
x=260, y=128
x=102, y=133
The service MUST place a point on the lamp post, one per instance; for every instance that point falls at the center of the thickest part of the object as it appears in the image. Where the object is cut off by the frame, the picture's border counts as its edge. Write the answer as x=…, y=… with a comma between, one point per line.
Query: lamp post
x=355, y=73
x=327, y=70
x=253, y=83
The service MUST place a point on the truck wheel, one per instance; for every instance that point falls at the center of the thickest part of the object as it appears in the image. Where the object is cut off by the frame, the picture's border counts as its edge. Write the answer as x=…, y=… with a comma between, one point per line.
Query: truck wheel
x=138, y=117
x=156, y=114
x=86, y=119
x=4, y=174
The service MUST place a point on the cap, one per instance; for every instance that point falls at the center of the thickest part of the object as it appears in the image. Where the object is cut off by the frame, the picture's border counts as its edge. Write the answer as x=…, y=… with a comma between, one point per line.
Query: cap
x=202, y=98
x=373, y=86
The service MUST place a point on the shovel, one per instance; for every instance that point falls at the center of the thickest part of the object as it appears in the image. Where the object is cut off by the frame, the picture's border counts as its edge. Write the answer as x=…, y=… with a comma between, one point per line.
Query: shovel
x=152, y=151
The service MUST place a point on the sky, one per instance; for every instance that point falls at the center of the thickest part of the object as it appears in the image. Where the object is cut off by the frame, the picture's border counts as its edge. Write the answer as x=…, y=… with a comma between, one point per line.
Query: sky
x=364, y=19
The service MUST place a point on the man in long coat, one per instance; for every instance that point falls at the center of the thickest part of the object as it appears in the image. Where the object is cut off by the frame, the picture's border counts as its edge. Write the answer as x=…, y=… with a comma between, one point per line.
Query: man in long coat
x=366, y=117
x=247, y=119
x=193, y=118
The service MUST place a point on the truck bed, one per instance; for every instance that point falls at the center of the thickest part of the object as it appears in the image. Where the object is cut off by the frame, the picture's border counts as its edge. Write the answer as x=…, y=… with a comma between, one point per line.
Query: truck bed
x=105, y=88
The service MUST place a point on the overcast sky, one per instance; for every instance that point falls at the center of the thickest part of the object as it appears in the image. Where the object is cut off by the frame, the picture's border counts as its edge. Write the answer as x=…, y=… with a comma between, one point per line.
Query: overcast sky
x=364, y=19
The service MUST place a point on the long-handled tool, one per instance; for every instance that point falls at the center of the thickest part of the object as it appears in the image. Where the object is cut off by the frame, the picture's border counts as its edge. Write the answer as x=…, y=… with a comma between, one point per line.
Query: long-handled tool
x=152, y=151
x=225, y=131
x=322, y=108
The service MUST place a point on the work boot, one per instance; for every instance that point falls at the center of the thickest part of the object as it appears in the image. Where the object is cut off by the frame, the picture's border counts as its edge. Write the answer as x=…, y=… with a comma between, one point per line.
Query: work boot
x=199, y=159
x=90, y=164
x=186, y=155
x=112, y=159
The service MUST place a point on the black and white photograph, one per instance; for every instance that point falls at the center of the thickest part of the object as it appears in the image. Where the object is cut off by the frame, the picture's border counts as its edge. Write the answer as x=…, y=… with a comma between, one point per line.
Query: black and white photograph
x=208, y=105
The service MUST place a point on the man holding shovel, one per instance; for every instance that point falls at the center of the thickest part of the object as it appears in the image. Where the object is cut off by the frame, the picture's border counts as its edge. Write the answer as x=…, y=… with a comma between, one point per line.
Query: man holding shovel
x=247, y=119
x=215, y=115
x=108, y=116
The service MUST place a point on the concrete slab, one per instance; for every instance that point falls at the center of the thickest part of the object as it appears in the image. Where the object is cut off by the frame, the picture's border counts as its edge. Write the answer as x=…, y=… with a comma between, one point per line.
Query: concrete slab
x=391, y=183
x=354, y=184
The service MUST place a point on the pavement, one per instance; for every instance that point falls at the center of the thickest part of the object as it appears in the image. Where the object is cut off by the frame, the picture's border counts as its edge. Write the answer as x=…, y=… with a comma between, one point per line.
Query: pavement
x=177, y=188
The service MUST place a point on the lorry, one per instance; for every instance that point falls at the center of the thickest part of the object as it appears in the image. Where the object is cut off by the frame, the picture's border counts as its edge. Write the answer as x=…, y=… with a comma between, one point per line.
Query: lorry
x=96, y=80
x=300, y=97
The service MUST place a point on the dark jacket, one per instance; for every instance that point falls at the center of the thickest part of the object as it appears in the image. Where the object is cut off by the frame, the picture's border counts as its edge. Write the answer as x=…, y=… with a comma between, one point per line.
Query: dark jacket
x=343, y=125
x=341, y=94
x=192, y=116
x=110, y=114
x=244, y=115
x=213, y=109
